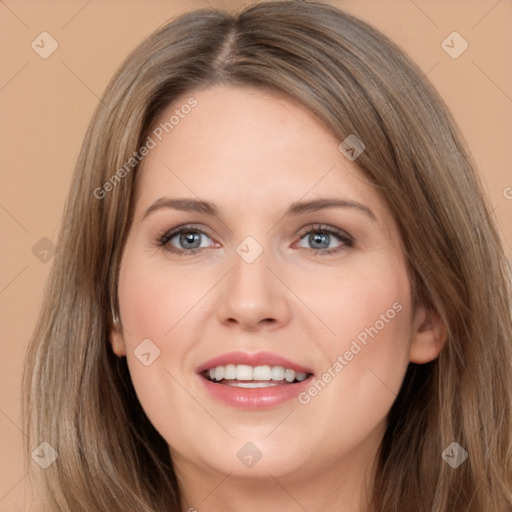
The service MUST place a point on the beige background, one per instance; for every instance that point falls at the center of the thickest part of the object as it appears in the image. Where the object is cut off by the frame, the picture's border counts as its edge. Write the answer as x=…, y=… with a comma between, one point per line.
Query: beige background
x=45, y=106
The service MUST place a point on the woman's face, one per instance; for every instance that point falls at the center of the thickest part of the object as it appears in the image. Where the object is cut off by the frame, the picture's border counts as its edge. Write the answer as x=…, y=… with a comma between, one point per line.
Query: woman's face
x=288, y=265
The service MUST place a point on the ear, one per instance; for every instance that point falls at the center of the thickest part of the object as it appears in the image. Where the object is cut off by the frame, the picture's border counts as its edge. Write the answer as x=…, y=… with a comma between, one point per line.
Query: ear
x=116, y=339
x=429, y=336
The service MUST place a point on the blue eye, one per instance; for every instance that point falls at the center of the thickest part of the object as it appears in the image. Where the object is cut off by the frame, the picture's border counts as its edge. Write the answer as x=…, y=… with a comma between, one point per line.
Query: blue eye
x=320, y=238
x=189, y=240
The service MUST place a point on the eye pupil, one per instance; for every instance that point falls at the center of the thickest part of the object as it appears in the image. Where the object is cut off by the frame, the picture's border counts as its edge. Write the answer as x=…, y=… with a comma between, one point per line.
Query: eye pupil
x=190, y=237
x=319, y=238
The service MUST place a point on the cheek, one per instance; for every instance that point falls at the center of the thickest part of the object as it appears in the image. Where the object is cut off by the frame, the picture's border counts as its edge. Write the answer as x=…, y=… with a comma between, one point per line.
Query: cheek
x=366, y=353
x=155, y=304
x=367, y=299
x=165, y=303
x=155, y=298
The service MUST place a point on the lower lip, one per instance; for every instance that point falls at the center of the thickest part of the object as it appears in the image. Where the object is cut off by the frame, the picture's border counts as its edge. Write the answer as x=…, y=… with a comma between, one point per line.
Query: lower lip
x=255, y=398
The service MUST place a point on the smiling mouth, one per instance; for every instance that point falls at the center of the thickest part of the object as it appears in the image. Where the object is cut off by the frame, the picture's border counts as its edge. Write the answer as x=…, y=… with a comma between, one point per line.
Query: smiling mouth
x=245, y=376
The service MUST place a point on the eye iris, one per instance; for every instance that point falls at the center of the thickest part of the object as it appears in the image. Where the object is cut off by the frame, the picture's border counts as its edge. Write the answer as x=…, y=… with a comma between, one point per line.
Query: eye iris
x=319, y=238
x=190, y=237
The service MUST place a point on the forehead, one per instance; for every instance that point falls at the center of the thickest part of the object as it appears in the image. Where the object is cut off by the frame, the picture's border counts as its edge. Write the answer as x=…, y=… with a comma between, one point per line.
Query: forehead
x=249, y=148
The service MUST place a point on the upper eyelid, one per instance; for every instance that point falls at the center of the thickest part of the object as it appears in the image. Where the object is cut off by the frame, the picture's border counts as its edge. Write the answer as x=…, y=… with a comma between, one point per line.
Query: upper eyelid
x=316, y=226
x=324, y=227
x=171, y=233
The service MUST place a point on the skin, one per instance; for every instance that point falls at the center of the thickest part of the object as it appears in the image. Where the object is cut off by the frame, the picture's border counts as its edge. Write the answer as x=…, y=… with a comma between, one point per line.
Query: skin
x=253, y=153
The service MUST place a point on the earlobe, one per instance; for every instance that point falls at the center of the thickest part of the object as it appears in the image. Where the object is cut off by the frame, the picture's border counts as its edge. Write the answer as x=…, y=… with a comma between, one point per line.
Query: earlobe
x=428, y=338
x=117, y=340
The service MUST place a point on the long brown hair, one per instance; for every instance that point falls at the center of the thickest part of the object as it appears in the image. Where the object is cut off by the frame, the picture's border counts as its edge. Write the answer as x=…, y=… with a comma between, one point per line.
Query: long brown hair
x=78, y=397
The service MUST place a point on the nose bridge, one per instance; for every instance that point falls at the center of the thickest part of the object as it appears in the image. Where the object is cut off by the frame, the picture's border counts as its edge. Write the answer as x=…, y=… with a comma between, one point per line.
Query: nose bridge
x=250, y=267
x=253, y=294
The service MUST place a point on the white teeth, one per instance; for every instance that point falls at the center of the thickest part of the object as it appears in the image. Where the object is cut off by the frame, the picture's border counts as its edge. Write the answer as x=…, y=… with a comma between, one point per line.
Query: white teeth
x=243, y=372
x=262, y=373
x=277, y=373
x=219, y=373
x=267, y=384
x=230, y=372
x=289, y=375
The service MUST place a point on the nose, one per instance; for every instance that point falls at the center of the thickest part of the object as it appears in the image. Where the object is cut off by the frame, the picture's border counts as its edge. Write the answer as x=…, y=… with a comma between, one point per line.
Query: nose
x=253, y=297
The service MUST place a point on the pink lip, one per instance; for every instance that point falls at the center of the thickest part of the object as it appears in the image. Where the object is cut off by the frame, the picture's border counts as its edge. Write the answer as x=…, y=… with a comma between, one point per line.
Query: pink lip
x=256, y=359
x=253, y=398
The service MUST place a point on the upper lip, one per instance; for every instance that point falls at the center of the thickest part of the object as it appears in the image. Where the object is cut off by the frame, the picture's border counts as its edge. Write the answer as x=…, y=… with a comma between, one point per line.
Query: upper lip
x=255, y=359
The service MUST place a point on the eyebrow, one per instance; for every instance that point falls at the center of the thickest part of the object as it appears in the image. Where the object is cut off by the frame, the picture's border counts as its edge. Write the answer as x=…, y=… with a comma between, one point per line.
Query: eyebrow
x=296, y=208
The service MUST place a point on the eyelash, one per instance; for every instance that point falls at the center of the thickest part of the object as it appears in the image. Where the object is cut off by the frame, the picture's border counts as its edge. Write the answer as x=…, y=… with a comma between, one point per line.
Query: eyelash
x=345, y=238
